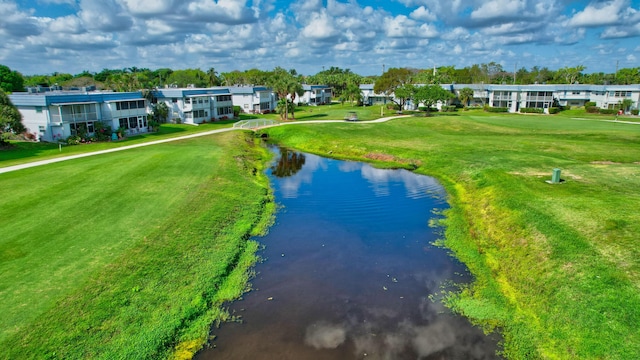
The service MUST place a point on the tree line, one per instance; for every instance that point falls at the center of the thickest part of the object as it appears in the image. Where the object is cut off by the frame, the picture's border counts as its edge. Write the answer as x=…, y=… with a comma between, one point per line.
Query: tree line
x=343, y=81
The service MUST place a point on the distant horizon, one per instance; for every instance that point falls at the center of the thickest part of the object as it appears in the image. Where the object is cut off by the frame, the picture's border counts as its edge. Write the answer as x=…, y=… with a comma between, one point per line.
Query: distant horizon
x=41, y=37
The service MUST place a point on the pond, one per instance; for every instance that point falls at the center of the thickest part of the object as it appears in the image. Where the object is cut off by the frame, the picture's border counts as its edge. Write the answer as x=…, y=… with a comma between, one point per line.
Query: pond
x=348, y=270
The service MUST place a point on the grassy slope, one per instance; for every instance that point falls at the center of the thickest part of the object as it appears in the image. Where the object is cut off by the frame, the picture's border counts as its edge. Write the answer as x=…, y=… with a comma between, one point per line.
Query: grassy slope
x=557, y=267
x=127, y=255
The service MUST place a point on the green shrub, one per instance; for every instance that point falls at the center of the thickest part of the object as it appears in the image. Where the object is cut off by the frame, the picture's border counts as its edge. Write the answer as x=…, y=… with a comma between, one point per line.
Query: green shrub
x=554, y=110
x=635, y=111
x=424, y=108
x=74, y=140
x=496, y=109
x=102, y=131
x=236, y=110
x=608, y=111
x=592, y=109
x=531, y=111
x=451, y=108
x=589, y=103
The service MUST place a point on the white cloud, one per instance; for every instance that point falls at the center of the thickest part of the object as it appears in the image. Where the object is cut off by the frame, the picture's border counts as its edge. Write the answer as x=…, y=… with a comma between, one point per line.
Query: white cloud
x=401, y=26
x=320, y=27
x=104, y=15
x=222, y=11
x=423, y=14
x=498, y=9
x=149, y=7
x=598, y=14
x=68, y=24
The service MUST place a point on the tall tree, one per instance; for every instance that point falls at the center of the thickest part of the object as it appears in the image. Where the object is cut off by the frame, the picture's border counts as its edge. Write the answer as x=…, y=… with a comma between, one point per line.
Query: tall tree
x=10, y=118
x=466, y=94
x=212, y=77
x=429, y=95
x=391, y=80
x=10, y=81
x=285, y=85
x=570, y=75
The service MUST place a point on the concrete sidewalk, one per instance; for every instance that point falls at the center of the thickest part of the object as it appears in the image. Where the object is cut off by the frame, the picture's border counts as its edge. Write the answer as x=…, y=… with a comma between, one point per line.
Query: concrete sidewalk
x=156, y=142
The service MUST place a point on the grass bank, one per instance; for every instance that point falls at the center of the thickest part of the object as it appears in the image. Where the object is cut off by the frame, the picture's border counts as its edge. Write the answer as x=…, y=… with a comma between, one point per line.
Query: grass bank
x=557, y=267
x=130, y=254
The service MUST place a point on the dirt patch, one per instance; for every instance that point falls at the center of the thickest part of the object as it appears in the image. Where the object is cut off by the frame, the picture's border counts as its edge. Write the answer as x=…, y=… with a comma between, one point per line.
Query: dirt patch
x=380, y=157
x=605, y=163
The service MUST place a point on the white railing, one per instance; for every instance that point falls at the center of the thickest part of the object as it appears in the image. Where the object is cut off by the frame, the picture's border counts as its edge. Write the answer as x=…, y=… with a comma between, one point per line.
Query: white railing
x=253, y=123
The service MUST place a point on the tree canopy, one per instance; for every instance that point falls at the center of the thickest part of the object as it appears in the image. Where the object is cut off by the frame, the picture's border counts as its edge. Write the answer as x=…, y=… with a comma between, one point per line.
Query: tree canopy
x=10, y=118
x=10, y=81
x=429, y=95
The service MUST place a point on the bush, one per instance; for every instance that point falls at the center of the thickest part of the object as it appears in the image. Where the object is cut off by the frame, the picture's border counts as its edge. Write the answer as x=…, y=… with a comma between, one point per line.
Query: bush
x=496, y=109
x=74, y=140
x=236, y=110
x=635, y=111
x=532, y=111
x=592, y=109
x=554, y=110
x=424, y=108
x=589, y=103
x=451, y=108
x=608, y=111
x=102, y=131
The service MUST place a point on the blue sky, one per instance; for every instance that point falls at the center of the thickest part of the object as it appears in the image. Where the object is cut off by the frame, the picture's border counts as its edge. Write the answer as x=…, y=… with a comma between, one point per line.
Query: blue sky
x=46, y=36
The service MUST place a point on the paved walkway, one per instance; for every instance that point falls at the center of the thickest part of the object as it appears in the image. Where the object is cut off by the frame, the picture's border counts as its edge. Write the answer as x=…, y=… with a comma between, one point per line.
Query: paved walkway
x=78, y=156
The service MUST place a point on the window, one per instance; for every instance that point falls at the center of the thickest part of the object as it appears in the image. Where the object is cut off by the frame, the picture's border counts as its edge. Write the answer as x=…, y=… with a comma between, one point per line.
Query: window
x=576, y=92
x=141, y=104
x=38, y=109
x=81, y=128
x=133, y=122
x=187, y=100
x=123, y=123
x=174, y=100
x=124, y=105
x=223, y=98
x=41, y=129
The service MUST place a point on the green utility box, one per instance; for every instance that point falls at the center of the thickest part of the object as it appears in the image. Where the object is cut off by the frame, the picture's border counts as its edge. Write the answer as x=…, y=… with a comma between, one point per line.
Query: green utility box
x=555, y=176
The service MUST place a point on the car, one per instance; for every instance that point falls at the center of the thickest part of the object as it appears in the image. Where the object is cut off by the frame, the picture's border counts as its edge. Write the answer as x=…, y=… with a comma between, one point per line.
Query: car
x=351, y=116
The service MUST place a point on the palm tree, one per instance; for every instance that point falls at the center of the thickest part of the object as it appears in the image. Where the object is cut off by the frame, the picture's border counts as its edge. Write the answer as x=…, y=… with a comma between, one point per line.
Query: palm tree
x=466, y=94
x=212, y=77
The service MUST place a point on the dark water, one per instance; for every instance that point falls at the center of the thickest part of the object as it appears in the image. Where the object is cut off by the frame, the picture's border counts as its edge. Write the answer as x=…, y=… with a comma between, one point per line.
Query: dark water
x=349, y=267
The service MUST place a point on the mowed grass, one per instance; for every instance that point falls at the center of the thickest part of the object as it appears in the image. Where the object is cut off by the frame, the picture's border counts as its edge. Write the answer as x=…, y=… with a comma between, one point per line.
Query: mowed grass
x=128, y=255
x=26, y=151
x=557, y=267
x=335, y=111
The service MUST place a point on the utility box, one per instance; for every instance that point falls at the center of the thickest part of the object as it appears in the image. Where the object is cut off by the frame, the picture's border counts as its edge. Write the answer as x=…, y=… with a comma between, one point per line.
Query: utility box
x=555, y=176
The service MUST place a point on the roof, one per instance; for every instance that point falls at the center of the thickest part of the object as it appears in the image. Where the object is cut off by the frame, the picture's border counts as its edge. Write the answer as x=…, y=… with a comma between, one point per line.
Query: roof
x=70, y=97
x=185, y=92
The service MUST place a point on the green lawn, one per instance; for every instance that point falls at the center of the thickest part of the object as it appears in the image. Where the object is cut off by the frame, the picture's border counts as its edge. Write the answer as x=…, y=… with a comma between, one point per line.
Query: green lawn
x=33, y=151
x=130, y=254
x=557, y=267
x=335, y=111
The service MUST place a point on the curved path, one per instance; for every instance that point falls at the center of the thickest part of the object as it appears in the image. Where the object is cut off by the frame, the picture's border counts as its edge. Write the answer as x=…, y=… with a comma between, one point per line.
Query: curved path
x=71, y=157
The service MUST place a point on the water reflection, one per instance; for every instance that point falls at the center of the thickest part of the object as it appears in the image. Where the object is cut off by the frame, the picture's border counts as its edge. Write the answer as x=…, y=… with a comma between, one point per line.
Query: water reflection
x=289, y=163
x=349, y=269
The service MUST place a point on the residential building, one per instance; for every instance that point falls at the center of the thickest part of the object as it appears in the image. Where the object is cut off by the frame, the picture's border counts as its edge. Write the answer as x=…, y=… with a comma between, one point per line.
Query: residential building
x=254, y=99
x=314, y=95
x=195, y=106
x=541, y=96
x=370, y=97
x=54, y=115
